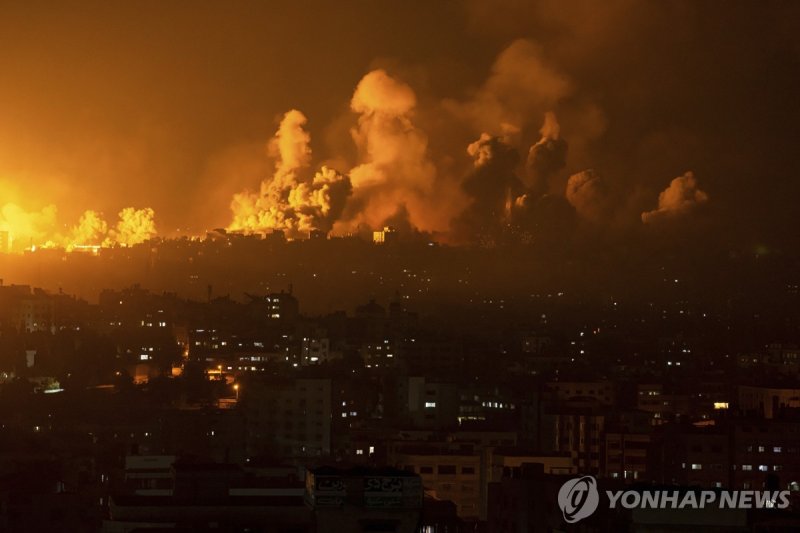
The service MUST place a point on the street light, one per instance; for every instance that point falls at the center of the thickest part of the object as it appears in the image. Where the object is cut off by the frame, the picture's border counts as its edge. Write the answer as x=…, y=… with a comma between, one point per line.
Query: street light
x=236, y=388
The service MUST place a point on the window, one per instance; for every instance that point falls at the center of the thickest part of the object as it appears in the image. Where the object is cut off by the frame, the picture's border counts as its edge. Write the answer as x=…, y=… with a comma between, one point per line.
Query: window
x=447, y=469
x=763, y=468
x=697, y=466
x=426, y=470
x=468, y=470
x=747, y=468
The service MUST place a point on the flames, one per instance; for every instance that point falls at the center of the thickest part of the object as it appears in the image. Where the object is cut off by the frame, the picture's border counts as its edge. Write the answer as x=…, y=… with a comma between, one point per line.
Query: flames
x=511, y=179
x=518, y=174
x=293, y=200
x=29, y=230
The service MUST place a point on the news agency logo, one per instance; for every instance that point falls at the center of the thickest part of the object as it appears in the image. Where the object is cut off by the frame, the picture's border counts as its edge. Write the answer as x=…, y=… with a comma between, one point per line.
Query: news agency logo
x=578, y=498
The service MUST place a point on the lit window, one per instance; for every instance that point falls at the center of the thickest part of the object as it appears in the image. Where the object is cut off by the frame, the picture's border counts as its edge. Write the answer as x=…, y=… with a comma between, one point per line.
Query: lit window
x=697, y=466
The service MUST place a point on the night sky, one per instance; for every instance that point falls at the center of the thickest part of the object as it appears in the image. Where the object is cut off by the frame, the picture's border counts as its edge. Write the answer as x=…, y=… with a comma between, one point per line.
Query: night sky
x=172, y=106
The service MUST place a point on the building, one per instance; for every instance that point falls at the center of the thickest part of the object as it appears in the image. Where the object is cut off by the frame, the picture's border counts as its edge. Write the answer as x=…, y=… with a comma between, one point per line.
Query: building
x=385, y=236
x=364, y=499
x=513, y=463
x=601, y=391
x=290, y=418
x=767, y=402
x=36, y=313
x=625, y=455
x=282, y=306
x=197, y=496
x=315, y=348
x=446, y=475
x=149, y=475
x=765, y=449
x=576, y=431
x=429, y=404
x=691, y=456
x=527, y=500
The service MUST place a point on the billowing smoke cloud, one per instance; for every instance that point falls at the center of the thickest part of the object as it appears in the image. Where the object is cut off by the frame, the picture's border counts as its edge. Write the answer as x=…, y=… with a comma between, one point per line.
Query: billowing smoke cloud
x=318, y=204
x=394, y=179
x=27, y=228
x=291, y=200
x=493, y=188
x=40, y=228
x=91, y=229
x=395, y=173
x=587, y=193
x=548, y=155
x=681, y=196
x=135, y=226
x=521, y=85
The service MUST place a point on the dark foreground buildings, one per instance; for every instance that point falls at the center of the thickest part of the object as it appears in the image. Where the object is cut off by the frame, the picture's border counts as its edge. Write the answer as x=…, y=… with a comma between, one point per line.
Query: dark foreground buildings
x=421, y=408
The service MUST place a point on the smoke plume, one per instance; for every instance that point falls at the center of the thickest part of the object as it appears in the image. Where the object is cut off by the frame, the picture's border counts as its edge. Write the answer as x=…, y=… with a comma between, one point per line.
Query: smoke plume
x=587, y=193
x=681, y=196
x=292, y=200
x=135, y=226
x=394, y=174
x=548, y=155
x=521, y=85
x=40, y=229
x=91, y=229
x=494, y=190
x=28, y=228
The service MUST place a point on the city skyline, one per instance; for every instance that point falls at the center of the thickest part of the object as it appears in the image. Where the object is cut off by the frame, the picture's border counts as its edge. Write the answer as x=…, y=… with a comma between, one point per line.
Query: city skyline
x=399, y=267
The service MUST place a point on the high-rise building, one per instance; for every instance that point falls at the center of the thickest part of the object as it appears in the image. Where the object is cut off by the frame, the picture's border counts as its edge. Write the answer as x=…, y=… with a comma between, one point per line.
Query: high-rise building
x=290, y=418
